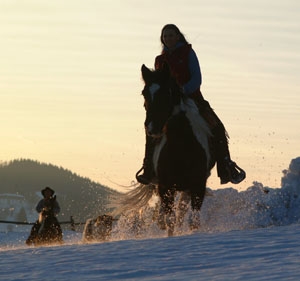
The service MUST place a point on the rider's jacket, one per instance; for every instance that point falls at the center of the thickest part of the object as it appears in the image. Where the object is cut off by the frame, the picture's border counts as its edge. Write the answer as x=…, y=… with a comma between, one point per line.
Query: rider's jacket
x=45, y=203
x=184, y=67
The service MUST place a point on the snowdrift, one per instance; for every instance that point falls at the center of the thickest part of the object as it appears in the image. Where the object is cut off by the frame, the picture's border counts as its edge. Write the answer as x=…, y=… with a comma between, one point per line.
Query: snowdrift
x=228, y=209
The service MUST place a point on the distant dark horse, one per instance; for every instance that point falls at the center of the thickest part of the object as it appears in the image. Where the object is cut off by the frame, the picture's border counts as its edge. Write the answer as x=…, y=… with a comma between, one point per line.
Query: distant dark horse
x=47, y=229
x=183, y=155
x=98, y=229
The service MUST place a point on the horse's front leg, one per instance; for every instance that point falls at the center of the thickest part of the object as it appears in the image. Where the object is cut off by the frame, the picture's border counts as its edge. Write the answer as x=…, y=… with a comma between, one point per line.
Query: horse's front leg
x=183, y=205
x=197, y=197
x=166, y=217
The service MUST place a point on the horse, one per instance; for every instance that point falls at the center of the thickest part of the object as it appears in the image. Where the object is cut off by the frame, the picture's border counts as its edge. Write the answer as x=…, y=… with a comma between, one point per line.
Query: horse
x=47, y=229
x=98, y=229
x=183, y=155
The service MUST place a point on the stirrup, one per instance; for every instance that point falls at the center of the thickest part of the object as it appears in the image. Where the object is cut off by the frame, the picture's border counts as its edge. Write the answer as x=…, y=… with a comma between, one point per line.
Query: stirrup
x=141, y=178
x=144, y=179
x=138, y=172
x=240, y=173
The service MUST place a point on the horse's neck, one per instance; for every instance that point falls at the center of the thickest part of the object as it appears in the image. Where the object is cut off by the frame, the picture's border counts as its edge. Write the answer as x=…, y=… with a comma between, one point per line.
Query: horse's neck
x=200, y=127
x=157, y=151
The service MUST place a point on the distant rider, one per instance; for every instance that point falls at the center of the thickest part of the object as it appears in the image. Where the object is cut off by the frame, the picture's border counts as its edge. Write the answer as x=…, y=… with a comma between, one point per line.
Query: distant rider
x=44, y=203
x=43, y=206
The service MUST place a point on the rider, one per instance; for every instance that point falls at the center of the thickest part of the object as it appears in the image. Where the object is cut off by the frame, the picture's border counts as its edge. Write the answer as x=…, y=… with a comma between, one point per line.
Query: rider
x=185, y=68
x=48, y=193
x=43, y=205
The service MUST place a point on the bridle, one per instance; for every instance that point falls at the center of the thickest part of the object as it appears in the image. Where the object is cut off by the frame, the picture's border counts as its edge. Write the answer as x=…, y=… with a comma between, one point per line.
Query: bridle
x=167, y=93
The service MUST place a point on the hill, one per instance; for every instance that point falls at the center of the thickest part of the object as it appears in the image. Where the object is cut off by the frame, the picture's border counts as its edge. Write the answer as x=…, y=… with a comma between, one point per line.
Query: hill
x=77, y=196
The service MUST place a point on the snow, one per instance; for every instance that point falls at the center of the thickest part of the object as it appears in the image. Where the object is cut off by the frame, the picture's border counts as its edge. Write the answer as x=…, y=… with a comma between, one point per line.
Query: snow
x=249, y=235
x=260, y=254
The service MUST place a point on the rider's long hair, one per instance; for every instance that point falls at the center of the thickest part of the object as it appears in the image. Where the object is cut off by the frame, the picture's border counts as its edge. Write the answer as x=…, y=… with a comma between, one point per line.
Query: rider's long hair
x=177, y=31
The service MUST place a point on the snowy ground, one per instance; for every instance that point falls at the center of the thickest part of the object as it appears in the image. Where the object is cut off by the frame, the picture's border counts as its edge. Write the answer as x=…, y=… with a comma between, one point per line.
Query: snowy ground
x=250, y=235
x=261, y=254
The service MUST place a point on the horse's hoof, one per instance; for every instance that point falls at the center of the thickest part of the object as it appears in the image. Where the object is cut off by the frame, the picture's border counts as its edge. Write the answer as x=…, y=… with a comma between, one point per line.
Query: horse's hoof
x=29, y=242
x=170, y=232
x=161, y=222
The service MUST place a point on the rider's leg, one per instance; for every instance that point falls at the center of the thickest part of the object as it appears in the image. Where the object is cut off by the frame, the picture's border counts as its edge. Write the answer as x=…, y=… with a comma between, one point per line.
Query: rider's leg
x=228, y=171
x=148, y=168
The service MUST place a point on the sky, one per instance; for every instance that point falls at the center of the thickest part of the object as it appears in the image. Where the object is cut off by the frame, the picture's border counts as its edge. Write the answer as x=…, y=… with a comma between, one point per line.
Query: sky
x=70, y=81
x=247, y=235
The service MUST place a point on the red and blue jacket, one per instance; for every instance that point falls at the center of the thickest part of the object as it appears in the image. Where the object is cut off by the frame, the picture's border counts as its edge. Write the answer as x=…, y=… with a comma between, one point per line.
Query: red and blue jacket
x=184, y=66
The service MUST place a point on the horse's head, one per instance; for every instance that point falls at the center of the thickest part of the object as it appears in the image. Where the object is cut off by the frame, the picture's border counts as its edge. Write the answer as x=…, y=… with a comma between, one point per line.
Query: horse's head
x=161, y=94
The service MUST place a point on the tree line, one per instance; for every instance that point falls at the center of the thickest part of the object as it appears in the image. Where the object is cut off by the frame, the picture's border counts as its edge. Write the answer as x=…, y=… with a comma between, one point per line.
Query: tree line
x=77, y=196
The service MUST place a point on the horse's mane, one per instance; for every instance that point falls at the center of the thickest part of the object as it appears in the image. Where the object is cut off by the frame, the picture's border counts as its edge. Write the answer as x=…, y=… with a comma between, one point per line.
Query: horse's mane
x=199, y=126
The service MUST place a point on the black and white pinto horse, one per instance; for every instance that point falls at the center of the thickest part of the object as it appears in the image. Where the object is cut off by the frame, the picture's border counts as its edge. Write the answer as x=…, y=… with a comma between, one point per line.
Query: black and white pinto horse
x=183, y=156
x=47, y=229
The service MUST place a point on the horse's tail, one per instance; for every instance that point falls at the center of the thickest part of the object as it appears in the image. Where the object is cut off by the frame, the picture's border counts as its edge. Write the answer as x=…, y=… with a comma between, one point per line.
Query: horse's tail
x=132, y=200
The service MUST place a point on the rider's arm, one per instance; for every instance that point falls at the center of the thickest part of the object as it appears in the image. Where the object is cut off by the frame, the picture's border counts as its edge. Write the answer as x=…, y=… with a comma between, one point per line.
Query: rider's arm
x=40, y=206
x=196, y=78
x=56, y=208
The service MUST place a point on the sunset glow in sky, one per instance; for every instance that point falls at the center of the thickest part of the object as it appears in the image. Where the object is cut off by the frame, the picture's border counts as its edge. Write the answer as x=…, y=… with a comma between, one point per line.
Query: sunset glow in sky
x=70, y=81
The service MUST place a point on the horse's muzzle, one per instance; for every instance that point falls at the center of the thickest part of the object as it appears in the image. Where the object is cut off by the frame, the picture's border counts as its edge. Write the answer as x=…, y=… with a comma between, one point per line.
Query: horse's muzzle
x=153, y=132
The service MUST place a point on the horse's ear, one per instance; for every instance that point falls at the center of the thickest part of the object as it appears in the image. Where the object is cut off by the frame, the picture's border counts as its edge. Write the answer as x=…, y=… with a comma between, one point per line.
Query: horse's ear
x=146, y=72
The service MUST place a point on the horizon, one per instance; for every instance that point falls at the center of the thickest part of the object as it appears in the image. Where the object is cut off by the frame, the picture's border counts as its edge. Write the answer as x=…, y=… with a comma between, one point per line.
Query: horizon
x=293, y=164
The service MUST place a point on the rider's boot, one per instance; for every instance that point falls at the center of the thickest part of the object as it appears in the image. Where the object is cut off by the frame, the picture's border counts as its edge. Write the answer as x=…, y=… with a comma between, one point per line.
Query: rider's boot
x=234, y=174
x=228, y=171
x=148, y=168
